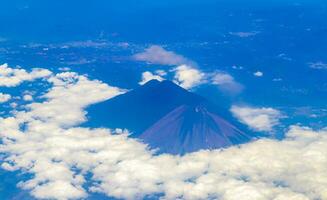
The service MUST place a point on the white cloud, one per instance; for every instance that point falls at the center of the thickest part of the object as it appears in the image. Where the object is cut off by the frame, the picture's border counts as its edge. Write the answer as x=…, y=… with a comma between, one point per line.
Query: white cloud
x=157, y=55
x=258, y=73
x=59, y=155
x=4, y=97
x=318, y=65
x=10, y=77
x=28, y=97
x=259, y=119
x=188, y=77
x=147, y=76
x=66, y=95
x=226, y=82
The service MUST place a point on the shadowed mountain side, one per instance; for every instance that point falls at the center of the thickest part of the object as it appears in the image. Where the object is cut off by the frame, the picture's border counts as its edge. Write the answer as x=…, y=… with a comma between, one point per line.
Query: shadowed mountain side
x=191, y=128
x=140, y=108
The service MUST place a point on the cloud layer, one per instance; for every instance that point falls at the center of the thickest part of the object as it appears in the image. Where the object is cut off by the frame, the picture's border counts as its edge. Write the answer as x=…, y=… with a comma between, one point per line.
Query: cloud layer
x=45, y=141
x=10, y=77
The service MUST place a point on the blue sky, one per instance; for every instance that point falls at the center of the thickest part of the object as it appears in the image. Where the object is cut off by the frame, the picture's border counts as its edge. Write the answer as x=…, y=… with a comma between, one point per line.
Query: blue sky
x=263, y=61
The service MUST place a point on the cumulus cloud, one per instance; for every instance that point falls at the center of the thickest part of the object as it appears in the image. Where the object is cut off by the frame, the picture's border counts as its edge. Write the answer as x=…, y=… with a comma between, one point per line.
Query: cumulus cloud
x=28, y=97
x=258, y=73
x=188, y=77
x=4, y=97
x=226, y=82
x=10, y=77
x=147, y=76
x=59, y=156
x=157, y=55
x=259, y=119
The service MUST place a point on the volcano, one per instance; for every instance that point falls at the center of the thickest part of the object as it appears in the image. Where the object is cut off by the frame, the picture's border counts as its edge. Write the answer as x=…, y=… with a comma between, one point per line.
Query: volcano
x=170, y=119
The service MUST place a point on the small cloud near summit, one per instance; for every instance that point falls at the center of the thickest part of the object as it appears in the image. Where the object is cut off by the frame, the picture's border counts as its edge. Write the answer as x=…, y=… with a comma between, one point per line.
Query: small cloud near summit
x=147, y=76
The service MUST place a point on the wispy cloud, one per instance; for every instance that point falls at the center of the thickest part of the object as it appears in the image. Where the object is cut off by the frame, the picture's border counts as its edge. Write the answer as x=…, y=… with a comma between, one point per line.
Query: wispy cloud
x=244, y=34
x=226, y=82
x=318, y=65
x=157, y=55
x=86, y=44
